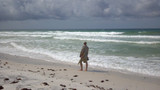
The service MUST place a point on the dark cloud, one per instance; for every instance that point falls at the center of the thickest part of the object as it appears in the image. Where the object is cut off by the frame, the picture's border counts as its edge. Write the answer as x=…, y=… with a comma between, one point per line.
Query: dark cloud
x=141, y=8
x=63, y=9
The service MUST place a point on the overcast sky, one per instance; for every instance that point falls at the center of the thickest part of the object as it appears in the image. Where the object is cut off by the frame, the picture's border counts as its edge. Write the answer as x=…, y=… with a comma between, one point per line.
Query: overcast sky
x=79, y=14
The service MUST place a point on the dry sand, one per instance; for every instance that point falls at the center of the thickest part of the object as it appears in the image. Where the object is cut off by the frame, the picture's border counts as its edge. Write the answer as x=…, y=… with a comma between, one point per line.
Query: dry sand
x=22, y=73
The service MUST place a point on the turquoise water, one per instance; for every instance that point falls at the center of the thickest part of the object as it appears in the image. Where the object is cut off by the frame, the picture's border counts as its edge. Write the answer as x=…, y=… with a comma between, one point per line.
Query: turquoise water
x=123, y=50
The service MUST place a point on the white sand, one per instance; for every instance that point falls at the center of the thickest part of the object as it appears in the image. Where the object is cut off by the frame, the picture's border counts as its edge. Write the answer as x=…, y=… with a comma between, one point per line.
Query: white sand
x=17, y=73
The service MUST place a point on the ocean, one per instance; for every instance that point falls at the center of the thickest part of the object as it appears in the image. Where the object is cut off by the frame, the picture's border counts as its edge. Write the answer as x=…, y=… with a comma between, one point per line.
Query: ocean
x=124, y=50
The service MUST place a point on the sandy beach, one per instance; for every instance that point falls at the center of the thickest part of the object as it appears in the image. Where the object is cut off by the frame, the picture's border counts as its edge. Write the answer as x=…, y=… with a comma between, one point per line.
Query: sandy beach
x=23, y=73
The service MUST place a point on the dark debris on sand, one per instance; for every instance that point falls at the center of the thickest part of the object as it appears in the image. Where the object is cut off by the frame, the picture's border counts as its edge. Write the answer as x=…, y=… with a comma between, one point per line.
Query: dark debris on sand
x=62, y=85
x=5, y=63
x=33, y=71
x=18, y=78
x=16, y=81
x=110, y=89
x=90, y=81
x=102, y=81
x=45, y=84
x=6, y=79
x=96, y=87
x=107, y=80
x=72, y=88
x=75, y=76
x=52, y=75
x=65, y=69
x=51, y=70
x=1, y=87
x=25, y=89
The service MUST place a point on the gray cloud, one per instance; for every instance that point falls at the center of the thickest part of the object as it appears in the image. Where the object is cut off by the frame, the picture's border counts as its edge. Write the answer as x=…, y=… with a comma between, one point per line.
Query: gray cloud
x=64, y=9
x=141, y=8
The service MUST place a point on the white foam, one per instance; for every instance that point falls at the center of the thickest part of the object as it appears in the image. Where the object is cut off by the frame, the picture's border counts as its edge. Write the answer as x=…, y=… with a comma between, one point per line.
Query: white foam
x=81, y=34
x=131, y=64
x=26, y=34
x=56, y=55
x=104, y=34
x=107, y=40
x=119, y=63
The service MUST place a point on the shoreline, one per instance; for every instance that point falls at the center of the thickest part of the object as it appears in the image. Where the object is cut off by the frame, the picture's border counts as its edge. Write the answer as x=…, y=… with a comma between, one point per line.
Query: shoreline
x=40, y=74
x=32, y=60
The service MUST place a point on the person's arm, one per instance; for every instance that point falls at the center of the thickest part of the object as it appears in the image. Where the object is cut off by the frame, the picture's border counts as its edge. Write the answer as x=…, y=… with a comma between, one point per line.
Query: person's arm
x=82, y=51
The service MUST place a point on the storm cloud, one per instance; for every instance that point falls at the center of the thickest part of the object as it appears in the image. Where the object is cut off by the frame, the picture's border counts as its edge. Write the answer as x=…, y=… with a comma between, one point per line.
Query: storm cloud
x=64, y=9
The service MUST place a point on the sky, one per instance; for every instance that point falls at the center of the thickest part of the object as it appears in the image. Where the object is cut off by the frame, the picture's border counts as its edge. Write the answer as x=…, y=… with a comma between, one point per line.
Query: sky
x=79, y=14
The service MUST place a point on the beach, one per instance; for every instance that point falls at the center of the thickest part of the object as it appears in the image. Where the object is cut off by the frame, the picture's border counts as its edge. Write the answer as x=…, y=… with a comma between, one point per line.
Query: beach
x=48, y=60
x=44, y=42
x=24, y=73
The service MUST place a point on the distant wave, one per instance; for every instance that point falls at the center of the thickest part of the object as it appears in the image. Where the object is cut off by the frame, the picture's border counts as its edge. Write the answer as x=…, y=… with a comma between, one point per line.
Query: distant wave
x=59, y=33
x=107, y=40
x=80, y=34
x=26, y=34
x=88, y=33
x=133, y=36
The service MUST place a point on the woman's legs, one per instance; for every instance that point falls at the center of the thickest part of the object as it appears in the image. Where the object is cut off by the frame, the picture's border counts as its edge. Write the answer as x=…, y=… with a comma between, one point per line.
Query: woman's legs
x=81, y=65
x=86, y=66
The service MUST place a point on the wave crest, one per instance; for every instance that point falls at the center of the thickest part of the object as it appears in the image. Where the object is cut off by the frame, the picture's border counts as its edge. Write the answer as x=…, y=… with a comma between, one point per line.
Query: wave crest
x=107, y=40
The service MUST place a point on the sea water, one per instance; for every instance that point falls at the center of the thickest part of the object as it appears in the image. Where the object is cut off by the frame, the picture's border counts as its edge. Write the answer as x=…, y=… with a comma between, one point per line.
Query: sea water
x=133, y=50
